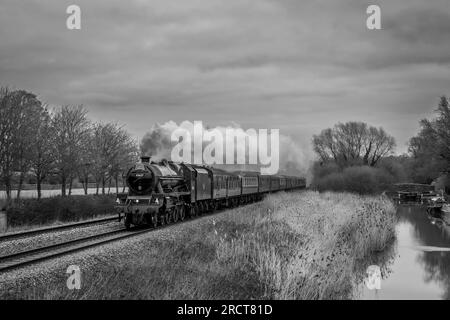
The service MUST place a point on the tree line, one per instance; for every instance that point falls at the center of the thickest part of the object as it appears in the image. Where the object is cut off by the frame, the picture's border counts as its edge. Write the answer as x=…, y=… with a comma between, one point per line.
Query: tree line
x=61, y=142
x=430, y=148
x=359, y=146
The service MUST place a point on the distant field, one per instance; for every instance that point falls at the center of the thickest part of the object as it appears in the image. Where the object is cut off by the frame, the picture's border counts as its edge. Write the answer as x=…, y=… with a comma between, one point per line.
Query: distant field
x=27, y=194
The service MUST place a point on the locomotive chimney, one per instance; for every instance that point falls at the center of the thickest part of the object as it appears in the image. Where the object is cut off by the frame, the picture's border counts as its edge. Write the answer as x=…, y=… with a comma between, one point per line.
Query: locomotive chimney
x=145, y=159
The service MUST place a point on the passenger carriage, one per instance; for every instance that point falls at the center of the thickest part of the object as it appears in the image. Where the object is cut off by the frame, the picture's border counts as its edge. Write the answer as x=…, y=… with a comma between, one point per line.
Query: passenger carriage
x=274, y=183
x=249, y=186
x=264, y=183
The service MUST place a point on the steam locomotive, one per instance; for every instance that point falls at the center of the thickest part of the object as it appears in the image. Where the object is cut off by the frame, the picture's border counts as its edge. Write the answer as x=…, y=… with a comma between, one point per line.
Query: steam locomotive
x=163, y=192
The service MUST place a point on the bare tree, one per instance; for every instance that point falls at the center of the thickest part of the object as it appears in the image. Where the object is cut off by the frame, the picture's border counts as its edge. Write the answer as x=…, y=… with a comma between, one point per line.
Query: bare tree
x=85, y=166
x=430, y=148
x=353, y=143
x=71, y=134
x=114, y=150
x=6, y=140
x=43, y=150
x=128, y=153
x=19, y=119
x=64, y=142
x=442, y=129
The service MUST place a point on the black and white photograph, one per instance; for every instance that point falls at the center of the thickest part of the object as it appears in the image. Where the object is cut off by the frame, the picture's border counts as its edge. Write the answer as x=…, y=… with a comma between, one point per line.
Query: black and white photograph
x=193, y=152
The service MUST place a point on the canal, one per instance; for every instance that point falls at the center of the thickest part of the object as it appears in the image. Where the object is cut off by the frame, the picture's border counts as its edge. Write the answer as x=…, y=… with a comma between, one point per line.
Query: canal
x=417, y=264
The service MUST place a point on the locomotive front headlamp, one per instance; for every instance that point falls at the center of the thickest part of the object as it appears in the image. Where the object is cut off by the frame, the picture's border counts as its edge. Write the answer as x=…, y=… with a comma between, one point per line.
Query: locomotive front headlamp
x=118, y=201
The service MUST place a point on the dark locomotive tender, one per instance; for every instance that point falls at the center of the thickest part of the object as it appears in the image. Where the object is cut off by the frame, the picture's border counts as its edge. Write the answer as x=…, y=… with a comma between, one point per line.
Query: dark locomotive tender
x=165, y=192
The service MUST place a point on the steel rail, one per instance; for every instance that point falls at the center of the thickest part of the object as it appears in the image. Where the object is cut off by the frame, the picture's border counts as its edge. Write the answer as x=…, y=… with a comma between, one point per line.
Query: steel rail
x=25, y=233
x=17, y=261
x=28, y=257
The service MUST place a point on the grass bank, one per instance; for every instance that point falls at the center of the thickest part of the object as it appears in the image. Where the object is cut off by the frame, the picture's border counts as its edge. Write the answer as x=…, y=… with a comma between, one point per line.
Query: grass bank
x=27, y=213
x=290, y=246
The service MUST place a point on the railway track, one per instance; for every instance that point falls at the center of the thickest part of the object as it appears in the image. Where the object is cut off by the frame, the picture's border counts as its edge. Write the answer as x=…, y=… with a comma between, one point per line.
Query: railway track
x=26, y=233
x=27, y=257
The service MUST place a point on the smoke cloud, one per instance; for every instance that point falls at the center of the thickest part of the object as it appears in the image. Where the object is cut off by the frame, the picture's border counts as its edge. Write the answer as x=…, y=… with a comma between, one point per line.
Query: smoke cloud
x=293, y=159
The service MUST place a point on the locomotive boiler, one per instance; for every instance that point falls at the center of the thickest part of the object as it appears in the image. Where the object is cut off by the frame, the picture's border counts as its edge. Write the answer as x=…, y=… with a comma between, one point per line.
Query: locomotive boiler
x=155, y=192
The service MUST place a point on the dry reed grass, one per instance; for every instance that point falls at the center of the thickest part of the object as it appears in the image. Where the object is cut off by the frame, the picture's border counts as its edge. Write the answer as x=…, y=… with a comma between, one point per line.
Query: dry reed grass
x=290, y=246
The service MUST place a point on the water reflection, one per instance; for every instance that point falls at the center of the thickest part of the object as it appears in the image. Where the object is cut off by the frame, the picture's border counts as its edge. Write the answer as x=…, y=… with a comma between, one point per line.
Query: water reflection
x=434, y=235
x=420, y=268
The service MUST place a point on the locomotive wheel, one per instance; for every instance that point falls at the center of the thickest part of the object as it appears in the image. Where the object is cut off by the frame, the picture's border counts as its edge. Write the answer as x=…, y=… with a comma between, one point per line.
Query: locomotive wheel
x=192, y=211
x=182, y=213
x=127, y=221
x=197, y=209
x=163, y=219
x=176, y=214
x=154, y=220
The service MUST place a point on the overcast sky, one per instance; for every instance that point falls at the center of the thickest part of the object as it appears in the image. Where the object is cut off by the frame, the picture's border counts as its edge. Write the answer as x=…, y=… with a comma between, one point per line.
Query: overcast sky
x=299, y=66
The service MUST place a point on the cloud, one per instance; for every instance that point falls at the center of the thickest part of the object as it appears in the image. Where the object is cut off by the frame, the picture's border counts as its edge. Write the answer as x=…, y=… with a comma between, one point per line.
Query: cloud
x=296, y=65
